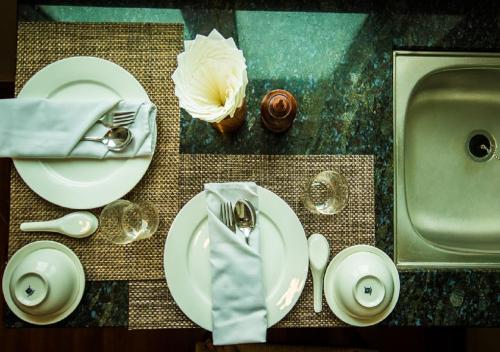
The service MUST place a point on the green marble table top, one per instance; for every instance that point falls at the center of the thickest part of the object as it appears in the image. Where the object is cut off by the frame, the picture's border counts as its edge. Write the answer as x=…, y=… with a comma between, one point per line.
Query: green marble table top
x=336, y=58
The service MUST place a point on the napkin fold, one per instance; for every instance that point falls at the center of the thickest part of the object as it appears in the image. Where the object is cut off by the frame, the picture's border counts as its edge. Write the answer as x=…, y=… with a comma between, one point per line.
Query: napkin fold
x=50, y=128
x=211, y=77
x=239, y=312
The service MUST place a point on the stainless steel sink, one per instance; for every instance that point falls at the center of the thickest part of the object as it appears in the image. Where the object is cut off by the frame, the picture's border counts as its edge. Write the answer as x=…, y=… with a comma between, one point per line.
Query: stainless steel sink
x=447, y=175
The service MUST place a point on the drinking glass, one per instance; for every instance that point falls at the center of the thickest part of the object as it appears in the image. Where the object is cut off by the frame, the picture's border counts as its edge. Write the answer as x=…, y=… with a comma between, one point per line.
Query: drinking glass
x=326, y=193
x=122, y=221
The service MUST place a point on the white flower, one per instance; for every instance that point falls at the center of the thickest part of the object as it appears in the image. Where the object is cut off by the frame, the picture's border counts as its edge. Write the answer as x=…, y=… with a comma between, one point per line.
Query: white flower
x=211, y=77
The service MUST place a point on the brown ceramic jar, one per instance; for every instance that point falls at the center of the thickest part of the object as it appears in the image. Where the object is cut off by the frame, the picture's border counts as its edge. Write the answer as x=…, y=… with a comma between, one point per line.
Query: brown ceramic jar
x=278, y=109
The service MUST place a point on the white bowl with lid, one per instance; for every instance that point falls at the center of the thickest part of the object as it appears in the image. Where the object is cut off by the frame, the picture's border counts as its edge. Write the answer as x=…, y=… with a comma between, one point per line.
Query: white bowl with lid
x=43, y=282
x=361, y=285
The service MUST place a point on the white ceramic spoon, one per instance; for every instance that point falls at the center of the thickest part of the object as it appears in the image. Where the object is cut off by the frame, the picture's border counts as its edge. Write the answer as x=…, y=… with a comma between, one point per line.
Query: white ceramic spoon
x=319, y=251
x=79, y=224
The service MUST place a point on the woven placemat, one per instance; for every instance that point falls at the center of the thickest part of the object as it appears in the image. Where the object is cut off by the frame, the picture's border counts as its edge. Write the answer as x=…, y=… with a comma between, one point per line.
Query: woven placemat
x=148, y=52
x=150, y=304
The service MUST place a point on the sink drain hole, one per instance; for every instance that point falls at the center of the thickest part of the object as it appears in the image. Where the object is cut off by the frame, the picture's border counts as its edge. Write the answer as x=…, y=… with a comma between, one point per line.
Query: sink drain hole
x=481, y=145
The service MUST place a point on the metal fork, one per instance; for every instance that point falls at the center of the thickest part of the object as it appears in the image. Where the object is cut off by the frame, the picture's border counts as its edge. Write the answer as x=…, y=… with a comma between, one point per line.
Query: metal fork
x=227, y=216
x=117, y=119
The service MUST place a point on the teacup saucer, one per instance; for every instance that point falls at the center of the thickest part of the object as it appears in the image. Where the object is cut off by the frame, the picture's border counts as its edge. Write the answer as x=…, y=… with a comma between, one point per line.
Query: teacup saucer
x=39, y=294
x=333, y=300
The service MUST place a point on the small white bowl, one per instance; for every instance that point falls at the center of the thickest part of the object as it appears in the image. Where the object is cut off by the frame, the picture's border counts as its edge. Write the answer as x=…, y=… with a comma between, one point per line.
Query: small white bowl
x=43, y=282
x=361, y=285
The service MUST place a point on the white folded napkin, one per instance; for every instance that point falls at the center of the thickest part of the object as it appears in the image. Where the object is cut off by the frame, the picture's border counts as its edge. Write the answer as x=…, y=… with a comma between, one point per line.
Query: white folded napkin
x=239, y=312
x=48, y=128
x=211, y=77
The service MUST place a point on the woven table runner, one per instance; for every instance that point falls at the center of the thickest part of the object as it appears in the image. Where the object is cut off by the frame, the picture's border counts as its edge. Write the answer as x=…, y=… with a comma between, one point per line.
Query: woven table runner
x=149, y=53
x=150, y=304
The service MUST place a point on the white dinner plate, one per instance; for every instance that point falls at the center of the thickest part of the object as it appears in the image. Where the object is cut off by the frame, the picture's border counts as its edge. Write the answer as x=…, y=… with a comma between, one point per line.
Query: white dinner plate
x=82, y=183
x=284, y=258
x=17, y=259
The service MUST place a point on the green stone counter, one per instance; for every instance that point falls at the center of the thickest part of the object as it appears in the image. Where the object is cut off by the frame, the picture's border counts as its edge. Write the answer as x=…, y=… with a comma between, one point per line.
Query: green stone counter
x=337, y=60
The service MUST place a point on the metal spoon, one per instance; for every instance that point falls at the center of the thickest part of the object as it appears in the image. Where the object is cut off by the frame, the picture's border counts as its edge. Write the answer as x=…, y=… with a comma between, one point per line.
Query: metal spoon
x=79, y=224
x=245, y=216
x=116, y=139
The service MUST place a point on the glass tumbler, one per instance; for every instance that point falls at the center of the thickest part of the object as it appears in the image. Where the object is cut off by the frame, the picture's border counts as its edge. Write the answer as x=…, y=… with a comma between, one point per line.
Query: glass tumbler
x=122, y=221
x=326, y=193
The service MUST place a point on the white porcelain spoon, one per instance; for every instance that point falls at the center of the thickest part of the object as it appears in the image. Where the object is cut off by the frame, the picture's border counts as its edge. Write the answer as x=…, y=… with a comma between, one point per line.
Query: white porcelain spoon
x=319, y=251
x=79, y=224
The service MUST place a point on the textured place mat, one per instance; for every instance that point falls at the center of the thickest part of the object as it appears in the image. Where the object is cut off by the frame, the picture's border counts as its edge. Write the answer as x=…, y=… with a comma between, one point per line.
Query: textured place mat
x=150, y=303
x=148, y=52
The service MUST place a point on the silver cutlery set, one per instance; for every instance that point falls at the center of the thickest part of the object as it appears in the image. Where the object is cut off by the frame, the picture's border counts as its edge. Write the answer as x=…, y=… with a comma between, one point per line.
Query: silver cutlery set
x=118, y=137
x=242, y=216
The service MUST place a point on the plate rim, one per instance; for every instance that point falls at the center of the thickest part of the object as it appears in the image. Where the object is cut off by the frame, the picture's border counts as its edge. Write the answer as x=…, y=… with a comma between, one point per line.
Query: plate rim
x=10, y=267
x=206, y=322
x=30, y=170
x=328, y=282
